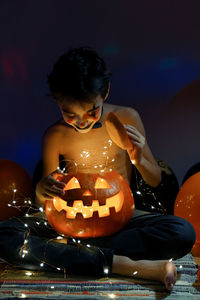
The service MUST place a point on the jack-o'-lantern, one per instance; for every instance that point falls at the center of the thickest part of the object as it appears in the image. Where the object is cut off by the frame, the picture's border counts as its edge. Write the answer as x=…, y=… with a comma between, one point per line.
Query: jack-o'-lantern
x=93, y=205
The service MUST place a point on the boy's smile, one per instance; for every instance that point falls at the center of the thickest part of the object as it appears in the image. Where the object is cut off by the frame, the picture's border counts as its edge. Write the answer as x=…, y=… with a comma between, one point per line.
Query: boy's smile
x=81, y=116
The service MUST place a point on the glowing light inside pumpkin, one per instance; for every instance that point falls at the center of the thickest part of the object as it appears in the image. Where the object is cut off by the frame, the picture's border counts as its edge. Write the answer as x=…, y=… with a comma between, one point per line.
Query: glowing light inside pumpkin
x=72, y=184
x=87, y=193
x=115, y=201
x=87, y=211
x=102, y=184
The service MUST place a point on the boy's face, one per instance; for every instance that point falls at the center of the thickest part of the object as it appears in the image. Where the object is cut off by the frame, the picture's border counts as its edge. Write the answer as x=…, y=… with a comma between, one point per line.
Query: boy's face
x=81, y=116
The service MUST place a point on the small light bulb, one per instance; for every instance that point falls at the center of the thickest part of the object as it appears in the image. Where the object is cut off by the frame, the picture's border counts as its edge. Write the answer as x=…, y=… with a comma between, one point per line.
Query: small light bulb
x=134, y=273
x=138, y=192
x=112, y=296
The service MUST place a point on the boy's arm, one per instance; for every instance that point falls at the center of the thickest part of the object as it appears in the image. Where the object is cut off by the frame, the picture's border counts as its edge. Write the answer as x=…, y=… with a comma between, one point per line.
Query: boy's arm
x=48, y=187
x=140, y=154
x=50, y=153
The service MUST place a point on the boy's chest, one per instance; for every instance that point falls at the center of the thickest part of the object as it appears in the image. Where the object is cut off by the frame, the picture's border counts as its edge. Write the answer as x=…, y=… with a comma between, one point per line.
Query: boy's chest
x=93, y=152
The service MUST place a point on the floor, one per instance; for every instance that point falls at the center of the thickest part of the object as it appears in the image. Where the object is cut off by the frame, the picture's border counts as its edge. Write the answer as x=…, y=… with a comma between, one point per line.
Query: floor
x=197, y=260
x=103, y=288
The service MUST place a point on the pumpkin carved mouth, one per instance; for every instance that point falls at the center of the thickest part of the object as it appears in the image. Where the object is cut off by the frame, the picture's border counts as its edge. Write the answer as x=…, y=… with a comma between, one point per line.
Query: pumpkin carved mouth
x=115, y=202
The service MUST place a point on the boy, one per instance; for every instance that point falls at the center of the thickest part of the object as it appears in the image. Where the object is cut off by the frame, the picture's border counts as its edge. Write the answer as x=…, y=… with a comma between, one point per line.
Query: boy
x=80, y=84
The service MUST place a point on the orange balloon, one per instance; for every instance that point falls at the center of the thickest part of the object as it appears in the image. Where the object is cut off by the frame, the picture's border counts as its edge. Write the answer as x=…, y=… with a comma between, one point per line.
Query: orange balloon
x=15, y=189
x=198, y=274
x=187, y=206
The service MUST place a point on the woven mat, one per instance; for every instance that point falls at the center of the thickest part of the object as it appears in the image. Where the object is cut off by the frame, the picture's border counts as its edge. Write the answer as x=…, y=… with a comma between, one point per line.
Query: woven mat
x=17, y=284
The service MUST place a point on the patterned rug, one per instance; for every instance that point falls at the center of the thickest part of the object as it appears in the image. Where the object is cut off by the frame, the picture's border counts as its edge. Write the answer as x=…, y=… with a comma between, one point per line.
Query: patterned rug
x=16, y=284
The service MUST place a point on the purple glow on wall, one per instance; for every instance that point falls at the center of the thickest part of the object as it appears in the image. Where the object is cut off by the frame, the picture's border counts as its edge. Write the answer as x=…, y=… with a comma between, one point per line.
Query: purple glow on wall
x=14, y=66
x=151, y=47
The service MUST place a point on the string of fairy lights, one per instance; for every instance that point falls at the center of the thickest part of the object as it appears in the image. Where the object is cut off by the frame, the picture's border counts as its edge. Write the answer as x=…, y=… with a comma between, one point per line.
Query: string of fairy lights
x=25, y=249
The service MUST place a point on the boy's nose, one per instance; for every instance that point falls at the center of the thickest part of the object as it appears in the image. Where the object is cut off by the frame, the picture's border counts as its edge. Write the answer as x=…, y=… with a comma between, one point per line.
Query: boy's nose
x=82, y=122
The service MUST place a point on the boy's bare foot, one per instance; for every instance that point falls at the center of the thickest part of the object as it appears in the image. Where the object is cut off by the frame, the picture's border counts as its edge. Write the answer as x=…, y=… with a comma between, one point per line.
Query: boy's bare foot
x=170, y=275
x=161, y=270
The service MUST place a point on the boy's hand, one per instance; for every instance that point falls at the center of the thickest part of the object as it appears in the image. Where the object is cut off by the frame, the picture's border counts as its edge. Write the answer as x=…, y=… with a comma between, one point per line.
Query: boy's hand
x=49, y=187
x=138, y=142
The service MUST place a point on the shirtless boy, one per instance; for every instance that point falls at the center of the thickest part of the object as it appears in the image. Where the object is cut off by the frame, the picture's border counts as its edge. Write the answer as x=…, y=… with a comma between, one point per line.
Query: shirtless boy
x=81, y=109
x=80, y=85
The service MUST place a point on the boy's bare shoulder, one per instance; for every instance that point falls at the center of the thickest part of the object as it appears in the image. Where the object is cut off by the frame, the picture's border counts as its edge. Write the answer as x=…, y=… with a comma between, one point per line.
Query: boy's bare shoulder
x=55, y=131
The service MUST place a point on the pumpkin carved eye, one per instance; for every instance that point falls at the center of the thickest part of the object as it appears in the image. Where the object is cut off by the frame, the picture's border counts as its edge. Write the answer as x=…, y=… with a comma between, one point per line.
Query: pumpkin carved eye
x=102, y=184
x=73, y=183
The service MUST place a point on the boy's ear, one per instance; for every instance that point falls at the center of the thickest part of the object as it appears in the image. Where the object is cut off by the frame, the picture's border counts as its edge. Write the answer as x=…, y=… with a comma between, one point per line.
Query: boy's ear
x=107, y=91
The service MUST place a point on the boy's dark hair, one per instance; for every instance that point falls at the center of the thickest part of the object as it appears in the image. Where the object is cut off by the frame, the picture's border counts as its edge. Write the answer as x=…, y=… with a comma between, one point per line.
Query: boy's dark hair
x=80, y=73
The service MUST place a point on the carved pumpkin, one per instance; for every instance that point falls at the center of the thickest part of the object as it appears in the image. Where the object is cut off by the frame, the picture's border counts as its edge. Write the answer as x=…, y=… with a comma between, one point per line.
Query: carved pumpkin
x=93, y=205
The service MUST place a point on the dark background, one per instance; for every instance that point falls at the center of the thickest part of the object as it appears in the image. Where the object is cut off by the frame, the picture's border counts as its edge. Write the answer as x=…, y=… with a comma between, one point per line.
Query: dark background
x=151, y=47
